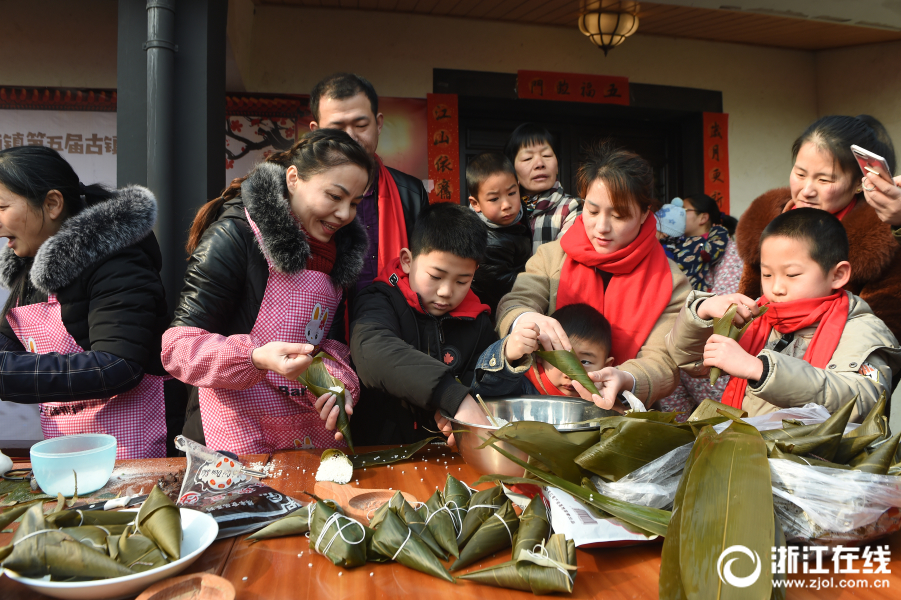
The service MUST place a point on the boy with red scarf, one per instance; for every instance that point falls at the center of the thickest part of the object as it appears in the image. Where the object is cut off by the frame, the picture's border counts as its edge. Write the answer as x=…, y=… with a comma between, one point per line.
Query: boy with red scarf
x=815, y=343
x=418, y=331
x=507, y=366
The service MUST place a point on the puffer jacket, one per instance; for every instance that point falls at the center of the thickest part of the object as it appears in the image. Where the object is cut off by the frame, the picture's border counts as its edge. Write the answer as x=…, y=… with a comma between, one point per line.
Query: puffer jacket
x=227, y=274
x=509, y=248
x=535, y=290
x=865, y=363
x=103, y=265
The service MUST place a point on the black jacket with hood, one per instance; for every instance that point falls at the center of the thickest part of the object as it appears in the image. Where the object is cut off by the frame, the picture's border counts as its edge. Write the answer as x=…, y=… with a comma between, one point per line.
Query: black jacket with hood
x=509, y=248
x=104, y=267
x=227, y=272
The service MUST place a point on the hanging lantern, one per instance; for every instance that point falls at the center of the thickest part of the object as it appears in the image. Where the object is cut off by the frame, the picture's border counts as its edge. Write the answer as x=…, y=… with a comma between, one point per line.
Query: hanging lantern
x=607, y=23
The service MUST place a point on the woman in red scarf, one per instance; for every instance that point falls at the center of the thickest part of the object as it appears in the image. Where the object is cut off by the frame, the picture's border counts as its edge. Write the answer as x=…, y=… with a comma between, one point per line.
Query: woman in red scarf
x=611, y=260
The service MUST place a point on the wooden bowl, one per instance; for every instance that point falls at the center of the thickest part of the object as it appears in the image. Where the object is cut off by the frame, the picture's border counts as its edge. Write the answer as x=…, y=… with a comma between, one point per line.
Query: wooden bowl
x=197, y=586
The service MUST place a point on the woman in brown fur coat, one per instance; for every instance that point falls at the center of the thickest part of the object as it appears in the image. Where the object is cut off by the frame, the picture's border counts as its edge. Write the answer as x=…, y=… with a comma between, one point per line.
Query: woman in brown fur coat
x=825, y=175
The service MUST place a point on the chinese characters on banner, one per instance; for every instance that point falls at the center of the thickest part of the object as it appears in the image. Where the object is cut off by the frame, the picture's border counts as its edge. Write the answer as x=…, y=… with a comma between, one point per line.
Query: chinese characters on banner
x=443, y=147
x=86, y=139
x=572, y=87
x=716, y=158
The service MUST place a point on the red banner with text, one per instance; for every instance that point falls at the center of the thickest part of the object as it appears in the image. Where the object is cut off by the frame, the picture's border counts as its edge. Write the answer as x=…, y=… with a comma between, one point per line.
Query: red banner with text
x=716, y=158
x=444, y=147
x=572, y=87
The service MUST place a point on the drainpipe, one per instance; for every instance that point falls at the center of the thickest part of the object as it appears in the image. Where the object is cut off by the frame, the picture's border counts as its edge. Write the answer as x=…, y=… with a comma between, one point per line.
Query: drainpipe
x=161, y=49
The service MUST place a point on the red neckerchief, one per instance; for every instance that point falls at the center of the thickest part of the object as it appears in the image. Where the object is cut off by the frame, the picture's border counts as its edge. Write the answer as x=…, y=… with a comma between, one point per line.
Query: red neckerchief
x=830, y=312
x=393, y=275
x=392, y=226
x=839, y=214
x=541, y=381
x=638, y=292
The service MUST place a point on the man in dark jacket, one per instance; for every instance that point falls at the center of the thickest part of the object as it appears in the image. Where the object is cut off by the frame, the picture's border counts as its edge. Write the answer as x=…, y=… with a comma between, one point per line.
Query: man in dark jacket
x=418, y=332
x=349, y=102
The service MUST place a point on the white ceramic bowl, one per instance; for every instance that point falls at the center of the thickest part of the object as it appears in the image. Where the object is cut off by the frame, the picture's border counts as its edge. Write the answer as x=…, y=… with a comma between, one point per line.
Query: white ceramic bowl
x=198, y=530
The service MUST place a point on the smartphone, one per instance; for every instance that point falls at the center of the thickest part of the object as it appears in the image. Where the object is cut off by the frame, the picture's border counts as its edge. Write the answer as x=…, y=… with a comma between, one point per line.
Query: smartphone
x=872, y=163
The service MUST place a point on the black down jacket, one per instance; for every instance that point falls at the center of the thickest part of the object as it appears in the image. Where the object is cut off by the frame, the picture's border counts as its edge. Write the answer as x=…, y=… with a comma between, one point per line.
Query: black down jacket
x=509, y=248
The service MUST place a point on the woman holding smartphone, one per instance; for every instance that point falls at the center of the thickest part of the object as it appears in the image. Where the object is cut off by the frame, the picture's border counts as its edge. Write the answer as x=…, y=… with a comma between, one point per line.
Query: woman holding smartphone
x=826, y=175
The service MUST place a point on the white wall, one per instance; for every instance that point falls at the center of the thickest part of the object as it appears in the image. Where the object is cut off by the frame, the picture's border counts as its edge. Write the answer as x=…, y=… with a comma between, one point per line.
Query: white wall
x=770, y=94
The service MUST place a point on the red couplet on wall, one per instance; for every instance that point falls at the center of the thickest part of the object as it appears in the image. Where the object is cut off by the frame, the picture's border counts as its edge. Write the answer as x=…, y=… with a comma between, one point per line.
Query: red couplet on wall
x=572, y=87
x=444, y=147
x=716, y=158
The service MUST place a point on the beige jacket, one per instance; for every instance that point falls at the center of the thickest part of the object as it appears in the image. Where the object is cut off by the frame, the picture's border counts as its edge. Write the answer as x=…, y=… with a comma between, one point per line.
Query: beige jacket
x=535, y=290
x=864, y=364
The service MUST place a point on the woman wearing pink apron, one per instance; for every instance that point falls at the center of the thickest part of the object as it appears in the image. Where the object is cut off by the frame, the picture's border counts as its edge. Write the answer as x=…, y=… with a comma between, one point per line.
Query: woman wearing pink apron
x=270, y=261
x=86, y=309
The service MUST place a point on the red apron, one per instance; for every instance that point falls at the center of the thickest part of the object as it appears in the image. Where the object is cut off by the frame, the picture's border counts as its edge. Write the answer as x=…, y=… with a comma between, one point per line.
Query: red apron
x=137, y=418
x=278, y=413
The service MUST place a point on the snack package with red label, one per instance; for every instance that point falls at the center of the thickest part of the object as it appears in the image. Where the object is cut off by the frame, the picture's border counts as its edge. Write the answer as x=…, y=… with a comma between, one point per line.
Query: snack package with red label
x=217, y=485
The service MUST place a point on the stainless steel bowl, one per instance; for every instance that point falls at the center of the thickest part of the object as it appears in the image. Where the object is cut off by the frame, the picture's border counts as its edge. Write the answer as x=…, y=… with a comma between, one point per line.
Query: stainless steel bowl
x=558, y=411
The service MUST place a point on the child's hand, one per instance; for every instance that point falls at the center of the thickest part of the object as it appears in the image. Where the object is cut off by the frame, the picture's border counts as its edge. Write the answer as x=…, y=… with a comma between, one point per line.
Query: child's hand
x=716, y=306
x=328, y=411
x=522, y=342
x=551, y=335
x=611, y=381
x=726, y=354
x=288, y=360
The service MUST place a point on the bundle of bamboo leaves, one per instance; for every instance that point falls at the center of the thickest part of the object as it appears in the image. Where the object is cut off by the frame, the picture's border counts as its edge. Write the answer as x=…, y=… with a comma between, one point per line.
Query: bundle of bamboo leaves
x=71, y=545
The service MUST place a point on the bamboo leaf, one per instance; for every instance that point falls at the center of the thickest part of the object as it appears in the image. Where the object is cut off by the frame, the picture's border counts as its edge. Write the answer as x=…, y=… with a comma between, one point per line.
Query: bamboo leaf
x=879, y=461
x=834, y=424
x=543, y=442
x=653, y=520
x=389, y=455
x=495, y=533
x=849, y=447
x=873, y=423
x=570, y=365
x=728, y=501
x=320, y=381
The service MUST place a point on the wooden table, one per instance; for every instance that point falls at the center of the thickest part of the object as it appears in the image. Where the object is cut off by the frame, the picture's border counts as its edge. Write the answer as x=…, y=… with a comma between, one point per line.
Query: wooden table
x=286, y=568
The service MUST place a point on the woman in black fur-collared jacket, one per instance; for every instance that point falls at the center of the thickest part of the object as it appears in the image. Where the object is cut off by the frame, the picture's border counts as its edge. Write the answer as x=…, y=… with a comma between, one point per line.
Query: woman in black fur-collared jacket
x=81, y=330
x=271, y=260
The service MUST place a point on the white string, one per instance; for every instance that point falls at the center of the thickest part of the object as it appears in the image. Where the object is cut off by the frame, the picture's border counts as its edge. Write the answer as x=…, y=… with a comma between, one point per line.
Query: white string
x=505, y=527
x=103, y=528
x=455, y=517
x=334, y=520
x=409, y=531
x=543, y=554
x=491, y=506
x=80, y=523
x=34, y=533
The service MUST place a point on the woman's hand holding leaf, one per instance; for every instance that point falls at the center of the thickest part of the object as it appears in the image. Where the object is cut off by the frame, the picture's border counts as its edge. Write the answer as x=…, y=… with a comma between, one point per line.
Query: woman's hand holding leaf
x=551, y=335
x=610, y=382
x=288, y=360
x=716, y=306
x=329, y=411
x=727, y=355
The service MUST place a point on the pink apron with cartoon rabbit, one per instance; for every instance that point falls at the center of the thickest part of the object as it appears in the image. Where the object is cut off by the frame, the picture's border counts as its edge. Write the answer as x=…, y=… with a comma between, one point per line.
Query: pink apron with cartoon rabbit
x=278, y=413
x=136, y=418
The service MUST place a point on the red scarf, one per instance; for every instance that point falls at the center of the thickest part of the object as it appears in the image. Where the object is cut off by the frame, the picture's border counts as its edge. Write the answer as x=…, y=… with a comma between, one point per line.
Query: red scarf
x=392, y=226
x=830, y=312
x=394, y=276
x=638, y=293
x=839, y=214
x=541, y=381
x=322, y=254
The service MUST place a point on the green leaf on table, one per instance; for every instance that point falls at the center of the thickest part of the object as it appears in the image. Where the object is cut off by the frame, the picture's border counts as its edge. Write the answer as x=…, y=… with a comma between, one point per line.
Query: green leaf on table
x=390, y=455
x=570, y=365
x=320, y=381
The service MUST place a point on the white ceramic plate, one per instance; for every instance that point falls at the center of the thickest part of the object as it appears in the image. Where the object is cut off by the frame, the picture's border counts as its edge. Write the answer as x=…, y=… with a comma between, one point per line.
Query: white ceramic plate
x=198, y=532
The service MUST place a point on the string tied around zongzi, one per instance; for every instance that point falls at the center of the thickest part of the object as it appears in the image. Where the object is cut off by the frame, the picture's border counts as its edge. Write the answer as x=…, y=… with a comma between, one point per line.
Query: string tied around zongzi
x=335, y=519
x=455, y=514
x=457, y=528
x=507, y=527
x=539, y=555
x=401, y=547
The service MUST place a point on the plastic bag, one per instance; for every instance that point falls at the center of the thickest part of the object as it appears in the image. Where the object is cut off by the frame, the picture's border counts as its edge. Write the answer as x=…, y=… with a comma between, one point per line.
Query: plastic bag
x=215, y=484
x=822, y=505
x=652, y=485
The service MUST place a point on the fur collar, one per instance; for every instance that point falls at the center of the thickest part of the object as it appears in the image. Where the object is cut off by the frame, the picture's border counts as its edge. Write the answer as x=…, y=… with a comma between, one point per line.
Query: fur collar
x=90, y=236
x=872, y=248
x=264, y=194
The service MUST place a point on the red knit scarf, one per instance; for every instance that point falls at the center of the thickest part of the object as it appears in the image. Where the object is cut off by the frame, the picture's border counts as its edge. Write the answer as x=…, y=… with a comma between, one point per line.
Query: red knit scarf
x=392, y=226
x=830, y=312
x=394, y=276
x=541, y=381
x=638, y=292
x=322, y=254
